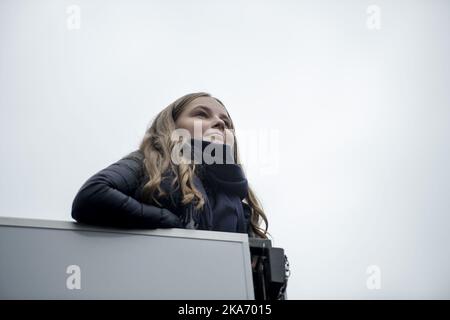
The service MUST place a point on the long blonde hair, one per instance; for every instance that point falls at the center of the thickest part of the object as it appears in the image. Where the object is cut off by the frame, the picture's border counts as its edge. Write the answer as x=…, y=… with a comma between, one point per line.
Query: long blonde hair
x=157, y=147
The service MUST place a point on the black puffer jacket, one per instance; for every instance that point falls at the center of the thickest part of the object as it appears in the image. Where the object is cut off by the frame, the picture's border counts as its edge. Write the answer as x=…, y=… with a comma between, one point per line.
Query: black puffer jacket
x=113, y=197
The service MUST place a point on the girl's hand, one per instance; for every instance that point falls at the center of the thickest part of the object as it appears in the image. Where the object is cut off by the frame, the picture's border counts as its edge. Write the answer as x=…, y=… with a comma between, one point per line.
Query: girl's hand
x=169, y=220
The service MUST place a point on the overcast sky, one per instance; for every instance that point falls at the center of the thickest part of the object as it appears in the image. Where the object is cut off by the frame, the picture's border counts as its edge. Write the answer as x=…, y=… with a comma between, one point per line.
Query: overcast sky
x=342, y=109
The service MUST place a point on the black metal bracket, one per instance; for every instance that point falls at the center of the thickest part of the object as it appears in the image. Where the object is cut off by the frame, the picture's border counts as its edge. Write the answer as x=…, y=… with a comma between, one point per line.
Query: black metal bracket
x=268, y=269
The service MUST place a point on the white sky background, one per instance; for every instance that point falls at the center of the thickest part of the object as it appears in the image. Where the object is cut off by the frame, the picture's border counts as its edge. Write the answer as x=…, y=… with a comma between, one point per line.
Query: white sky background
x=361, y=115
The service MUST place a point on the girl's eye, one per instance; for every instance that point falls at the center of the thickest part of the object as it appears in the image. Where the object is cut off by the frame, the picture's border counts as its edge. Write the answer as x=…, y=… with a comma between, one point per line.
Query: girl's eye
x=203, y=114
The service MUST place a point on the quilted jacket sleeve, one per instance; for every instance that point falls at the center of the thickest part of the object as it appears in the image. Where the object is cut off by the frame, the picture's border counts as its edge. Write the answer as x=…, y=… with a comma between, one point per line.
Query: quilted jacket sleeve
x=106, y=198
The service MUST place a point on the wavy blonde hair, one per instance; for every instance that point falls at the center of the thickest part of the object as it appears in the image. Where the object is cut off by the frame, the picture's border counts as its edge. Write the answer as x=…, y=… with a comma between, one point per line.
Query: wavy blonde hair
x=157, y=148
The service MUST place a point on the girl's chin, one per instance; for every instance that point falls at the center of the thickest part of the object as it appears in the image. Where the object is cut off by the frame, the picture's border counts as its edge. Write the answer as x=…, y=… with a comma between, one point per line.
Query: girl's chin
x=213, y=138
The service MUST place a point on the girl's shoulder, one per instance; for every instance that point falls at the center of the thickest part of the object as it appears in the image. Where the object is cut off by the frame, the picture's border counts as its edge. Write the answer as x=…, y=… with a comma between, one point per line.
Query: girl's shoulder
x=136, y=155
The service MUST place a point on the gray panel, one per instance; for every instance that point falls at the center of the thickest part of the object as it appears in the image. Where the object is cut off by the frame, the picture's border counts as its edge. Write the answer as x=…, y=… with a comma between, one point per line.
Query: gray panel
x=121, y=265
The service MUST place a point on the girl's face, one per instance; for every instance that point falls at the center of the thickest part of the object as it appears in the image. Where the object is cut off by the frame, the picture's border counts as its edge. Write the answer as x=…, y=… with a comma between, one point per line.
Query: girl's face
x=206, y=119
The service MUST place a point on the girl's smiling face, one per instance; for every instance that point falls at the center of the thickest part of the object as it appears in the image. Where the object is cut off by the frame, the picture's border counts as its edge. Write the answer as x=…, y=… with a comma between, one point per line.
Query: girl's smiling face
x=206, y=119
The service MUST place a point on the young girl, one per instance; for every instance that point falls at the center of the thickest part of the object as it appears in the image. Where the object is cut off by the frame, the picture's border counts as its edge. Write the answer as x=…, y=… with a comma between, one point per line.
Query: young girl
x=152, y=188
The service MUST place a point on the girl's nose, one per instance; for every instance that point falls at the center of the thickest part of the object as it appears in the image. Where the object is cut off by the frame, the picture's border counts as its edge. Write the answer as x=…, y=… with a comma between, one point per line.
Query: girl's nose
x=219, y=124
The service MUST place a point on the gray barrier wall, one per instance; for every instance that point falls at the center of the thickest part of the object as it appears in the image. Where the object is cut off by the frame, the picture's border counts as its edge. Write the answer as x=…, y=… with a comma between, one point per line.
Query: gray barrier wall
x=45, y=259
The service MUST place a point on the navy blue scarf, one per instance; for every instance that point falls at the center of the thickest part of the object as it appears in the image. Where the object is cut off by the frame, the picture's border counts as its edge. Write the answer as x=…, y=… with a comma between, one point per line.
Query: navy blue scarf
x=223, y=185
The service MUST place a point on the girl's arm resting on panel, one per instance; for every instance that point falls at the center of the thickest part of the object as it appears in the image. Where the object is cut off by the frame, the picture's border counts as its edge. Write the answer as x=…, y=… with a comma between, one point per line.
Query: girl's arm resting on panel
x=105, y=199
